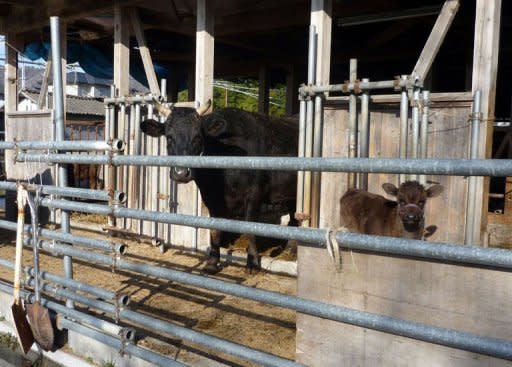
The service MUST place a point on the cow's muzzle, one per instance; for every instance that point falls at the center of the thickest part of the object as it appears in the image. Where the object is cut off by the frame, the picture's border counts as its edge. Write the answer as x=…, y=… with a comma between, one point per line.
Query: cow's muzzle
x=411, y=214
x=181, y=174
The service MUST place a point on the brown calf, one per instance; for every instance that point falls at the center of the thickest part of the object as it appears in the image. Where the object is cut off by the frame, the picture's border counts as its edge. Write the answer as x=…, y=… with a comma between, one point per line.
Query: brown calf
x=364, y=212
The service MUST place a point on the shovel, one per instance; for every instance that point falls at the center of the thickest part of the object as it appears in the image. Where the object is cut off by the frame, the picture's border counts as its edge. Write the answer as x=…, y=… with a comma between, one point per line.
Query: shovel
x=23, y=331
x=39, y=317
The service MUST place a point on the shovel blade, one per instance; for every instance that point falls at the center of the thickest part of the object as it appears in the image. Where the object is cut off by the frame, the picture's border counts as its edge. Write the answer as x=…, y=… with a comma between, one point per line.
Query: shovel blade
x=22, y=327
x=41, y=324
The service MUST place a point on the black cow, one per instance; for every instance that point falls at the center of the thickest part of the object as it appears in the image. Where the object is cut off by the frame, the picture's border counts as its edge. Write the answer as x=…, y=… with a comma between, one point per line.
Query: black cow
x=231, y=193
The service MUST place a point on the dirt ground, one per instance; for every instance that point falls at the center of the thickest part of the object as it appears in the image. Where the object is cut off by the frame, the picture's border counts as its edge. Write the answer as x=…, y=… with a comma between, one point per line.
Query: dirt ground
x=266, y=328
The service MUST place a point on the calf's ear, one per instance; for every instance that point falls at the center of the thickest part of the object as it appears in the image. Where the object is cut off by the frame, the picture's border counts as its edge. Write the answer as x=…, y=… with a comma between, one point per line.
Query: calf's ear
x=390, y=189
x=152, y=128
x=434, y=191
x=214, y=126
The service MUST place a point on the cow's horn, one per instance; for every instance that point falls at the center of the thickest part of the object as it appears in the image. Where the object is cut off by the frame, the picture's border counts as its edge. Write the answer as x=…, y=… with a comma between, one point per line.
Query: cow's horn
x=161, y=109
x=201, y=110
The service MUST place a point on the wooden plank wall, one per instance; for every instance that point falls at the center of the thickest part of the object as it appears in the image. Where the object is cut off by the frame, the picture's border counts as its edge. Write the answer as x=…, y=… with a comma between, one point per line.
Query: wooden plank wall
x=449, y=296
x=448, y=138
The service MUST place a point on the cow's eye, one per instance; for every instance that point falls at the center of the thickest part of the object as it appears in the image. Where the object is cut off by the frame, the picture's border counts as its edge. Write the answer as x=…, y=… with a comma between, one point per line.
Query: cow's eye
x=401, y=202
x=421, y=202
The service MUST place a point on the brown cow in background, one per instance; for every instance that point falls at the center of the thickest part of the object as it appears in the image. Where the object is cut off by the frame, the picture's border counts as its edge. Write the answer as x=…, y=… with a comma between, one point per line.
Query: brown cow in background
x=364, y=212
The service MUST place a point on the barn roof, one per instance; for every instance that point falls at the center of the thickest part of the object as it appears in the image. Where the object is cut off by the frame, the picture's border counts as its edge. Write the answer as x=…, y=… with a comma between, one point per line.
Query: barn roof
x=85, y=106
x=385, y=36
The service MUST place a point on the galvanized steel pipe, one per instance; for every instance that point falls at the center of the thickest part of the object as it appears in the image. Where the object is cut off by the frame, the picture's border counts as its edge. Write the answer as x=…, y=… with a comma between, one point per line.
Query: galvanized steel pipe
x=142, y=353
x=181, y=332
x=364, y=134
x=424, y=130
x=116, y=145
x=88, y=194
x=313, y=237
x=415, y=114
x=352, y=118
x=59, y=122
x=441, y=167
x=310, y=112
x=452, y=338
x=471, y=219
x=404, y=112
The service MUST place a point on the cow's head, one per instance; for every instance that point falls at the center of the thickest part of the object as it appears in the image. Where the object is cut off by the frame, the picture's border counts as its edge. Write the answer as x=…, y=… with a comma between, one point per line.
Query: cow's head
x=185, y=133
x=411, y=197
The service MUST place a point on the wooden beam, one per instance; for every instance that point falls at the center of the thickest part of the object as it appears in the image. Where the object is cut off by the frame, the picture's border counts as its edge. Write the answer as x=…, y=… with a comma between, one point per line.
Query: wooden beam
x=144, y=53
x=321, y=18
x=121, y=51
x=204, y=51
x=30, y=20
x=263, y=90
x=44, y=84
x=485, y=68
x=436, y=38
x=12, y=44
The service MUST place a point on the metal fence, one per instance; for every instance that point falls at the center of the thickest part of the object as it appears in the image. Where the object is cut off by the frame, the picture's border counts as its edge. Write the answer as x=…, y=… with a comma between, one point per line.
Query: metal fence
x=111, y=254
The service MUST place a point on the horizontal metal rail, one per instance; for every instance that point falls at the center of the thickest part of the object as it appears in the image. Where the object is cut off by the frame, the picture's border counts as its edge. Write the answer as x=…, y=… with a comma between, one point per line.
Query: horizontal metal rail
x=142, y=353
x=312, y=237
x=115, y=342
x=117, y=248
x=442, y=167
x=127, y=100
x=436, y=335
x=87, y=194
x=358, y=86
x=92, y=145
x=173, y=330
x=121, y=299
x=126, y=333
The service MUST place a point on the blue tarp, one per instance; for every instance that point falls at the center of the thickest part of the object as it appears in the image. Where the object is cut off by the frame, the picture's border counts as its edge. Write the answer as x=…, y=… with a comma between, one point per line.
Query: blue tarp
x=92, y=60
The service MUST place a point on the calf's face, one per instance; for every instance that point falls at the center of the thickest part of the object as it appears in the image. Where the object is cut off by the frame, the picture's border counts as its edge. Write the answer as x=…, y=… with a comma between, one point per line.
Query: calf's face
x=411, y=198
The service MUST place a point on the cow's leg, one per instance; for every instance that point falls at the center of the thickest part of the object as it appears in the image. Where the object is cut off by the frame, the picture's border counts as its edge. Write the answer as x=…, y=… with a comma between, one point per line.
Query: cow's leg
x=253, y=258
x=212, y=264
x=253, y=210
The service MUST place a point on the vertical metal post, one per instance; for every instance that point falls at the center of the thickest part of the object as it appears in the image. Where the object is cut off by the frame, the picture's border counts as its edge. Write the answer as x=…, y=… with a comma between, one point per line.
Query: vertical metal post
x=301, y=152
x=164, y=175
x=404, y=111
x=352, y=112
x=364, y=138
x=472, y=194
x=415, y=126
x=309, y=121
x=424, y=130
x=59, y=122
x=317, y=152
x=110, y=133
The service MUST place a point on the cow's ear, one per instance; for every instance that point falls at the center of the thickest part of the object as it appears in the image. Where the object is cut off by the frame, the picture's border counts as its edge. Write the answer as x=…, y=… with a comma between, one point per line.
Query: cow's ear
x=152, y=128
x=214, y=126
x=390, y=189
x=434, y=191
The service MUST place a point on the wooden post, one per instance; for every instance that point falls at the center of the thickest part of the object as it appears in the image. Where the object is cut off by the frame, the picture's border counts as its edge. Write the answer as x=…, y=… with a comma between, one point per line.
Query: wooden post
x=204, y=72
x=263, y=90
x=436, y=38
x=321, y=18
x=485, y=67
x=11, y=73
x=144, y=52
x=292, y=91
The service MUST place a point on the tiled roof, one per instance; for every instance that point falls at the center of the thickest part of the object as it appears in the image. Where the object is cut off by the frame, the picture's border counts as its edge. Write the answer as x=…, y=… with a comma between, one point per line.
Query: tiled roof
x=89, y=106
